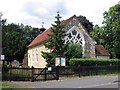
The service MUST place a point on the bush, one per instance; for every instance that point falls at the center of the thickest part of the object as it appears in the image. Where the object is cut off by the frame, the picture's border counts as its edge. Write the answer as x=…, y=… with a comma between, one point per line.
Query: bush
x=92, y=62
x=73, y=51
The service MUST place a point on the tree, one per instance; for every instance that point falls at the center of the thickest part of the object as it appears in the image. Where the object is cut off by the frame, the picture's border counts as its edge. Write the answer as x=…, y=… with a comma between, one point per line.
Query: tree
x=74, y=51
x=11, y=38
x=86, y=23
x=15, y=40
x=112, y=27
x=98, y=34
x=55, y=43
x=109, y=34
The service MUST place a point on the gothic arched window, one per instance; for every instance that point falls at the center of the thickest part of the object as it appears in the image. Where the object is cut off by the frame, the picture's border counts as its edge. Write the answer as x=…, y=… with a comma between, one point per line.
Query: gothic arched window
x=73, y=37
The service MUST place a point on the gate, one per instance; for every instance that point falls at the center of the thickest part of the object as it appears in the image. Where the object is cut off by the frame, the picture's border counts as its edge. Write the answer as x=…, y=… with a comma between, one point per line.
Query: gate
x=44, y=74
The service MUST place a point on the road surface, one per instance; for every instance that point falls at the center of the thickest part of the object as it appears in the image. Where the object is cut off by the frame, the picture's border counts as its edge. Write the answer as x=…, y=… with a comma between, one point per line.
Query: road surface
x=85, y=82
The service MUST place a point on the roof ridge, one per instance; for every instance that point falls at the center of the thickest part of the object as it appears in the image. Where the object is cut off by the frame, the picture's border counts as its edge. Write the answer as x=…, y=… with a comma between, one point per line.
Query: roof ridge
x=64, y=22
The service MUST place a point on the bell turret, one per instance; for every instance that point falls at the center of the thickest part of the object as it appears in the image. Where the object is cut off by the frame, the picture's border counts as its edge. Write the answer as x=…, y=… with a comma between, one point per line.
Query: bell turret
x=42, y=29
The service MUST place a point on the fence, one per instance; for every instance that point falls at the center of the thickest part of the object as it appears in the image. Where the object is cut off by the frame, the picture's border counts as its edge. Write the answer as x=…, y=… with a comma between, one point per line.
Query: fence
x=43, y=74
x=28, y=74
x=87, y=70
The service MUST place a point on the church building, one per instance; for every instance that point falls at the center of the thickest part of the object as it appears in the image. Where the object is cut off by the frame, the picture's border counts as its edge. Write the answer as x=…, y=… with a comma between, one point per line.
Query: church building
x=76, y=33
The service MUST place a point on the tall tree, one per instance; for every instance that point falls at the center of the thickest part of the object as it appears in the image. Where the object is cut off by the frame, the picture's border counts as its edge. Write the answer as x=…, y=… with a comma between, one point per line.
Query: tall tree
x=55, y=43
x=15, y=40
x=112, y=27
x=86, y=23
x=109, y=34
x=98, y=34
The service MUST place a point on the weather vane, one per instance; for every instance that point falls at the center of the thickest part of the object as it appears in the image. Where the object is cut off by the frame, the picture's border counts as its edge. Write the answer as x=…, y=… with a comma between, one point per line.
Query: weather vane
x=42, y=24
x=58, y=16
x=58, y=12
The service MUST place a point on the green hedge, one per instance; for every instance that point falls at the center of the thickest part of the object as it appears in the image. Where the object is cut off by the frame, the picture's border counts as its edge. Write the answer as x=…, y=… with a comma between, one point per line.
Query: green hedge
x=92, y=62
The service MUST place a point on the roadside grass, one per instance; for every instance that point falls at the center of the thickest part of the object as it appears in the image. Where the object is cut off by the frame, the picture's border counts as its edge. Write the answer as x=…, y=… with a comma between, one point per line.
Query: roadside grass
x=10, y=86
x=82, y=76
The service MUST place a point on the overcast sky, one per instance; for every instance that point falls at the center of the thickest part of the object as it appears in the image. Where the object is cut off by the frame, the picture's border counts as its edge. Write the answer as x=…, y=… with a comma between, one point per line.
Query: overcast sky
x=34, y=12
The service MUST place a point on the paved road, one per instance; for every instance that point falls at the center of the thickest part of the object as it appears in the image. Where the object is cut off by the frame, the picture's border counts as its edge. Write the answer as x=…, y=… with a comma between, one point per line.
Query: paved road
x=86, y=82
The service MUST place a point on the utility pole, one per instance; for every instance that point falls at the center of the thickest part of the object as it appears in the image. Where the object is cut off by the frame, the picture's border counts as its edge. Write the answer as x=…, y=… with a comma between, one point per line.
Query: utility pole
x=0, y=34
x=0, y=47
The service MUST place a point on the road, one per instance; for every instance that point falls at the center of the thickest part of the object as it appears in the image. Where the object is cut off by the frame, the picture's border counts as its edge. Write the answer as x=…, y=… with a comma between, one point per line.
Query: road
x=85, y=82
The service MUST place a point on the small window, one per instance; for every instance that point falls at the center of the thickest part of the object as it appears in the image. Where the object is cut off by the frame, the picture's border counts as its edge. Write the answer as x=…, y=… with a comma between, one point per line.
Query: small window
x=74, y=32
x=69, y=36
x=78, y=36
x=29, y=56
x=80, y=42
x=33, y=55
x=36, y=54
x=67, y=41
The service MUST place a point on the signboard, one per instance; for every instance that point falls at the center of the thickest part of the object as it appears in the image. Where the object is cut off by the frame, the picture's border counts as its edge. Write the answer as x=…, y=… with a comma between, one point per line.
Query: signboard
x=49, y=68
x=57, y=61
x=2, y=57
x=60, y=61
x=63, y=63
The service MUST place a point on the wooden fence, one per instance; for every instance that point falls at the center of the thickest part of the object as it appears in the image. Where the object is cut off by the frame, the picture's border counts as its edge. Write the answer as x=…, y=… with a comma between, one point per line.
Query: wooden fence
x=53, y=73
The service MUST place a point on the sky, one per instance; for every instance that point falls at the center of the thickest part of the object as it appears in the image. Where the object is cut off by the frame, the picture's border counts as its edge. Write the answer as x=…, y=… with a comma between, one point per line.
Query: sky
x=34, y=12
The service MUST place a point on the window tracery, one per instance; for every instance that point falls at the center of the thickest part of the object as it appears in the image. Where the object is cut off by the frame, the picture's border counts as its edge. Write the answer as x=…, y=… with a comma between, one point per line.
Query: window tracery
x=73, y=37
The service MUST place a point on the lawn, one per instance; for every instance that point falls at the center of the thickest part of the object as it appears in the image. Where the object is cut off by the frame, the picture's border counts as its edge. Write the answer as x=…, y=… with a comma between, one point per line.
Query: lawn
x=10, y=86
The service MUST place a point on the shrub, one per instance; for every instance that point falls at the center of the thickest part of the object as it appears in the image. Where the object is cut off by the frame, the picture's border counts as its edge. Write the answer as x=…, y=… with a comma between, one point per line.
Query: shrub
x=92, y=62
x=73, y=51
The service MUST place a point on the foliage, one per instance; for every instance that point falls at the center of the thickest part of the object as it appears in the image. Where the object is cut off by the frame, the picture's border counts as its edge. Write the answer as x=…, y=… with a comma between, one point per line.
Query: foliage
x=109, y=34
x=55, y=43
x=98, y=34
x=10, y=86
x=86, y=23
x=112, y=27
x=93, y=61
x=73, y=51
x=15, y=40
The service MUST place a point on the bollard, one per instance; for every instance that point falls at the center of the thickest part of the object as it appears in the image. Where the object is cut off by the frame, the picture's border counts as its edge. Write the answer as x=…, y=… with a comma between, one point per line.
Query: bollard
x=32, y=73
x=57, y=73
x=79, y=71
x=45, y=78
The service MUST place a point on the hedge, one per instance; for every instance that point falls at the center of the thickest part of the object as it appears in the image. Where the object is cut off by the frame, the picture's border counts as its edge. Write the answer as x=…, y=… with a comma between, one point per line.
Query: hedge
x=92, y=62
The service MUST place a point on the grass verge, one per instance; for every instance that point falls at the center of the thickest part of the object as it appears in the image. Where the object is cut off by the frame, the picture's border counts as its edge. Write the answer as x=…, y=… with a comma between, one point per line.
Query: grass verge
x=10, y=85
x=82, y=76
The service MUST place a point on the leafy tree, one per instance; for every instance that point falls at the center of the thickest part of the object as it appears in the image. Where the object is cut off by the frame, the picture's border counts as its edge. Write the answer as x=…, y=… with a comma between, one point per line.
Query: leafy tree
x=15, y=40
x=109, y=34
x=55, y=43
x=98, y=34
x=112, y=27
x=74, y=51
x=86, y=23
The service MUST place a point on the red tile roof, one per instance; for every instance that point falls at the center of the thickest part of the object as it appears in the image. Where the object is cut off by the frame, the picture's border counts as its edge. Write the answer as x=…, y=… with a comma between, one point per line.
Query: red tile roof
x=101, y=51
x=64, y=22
x=44, y=36
x=40, y=38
